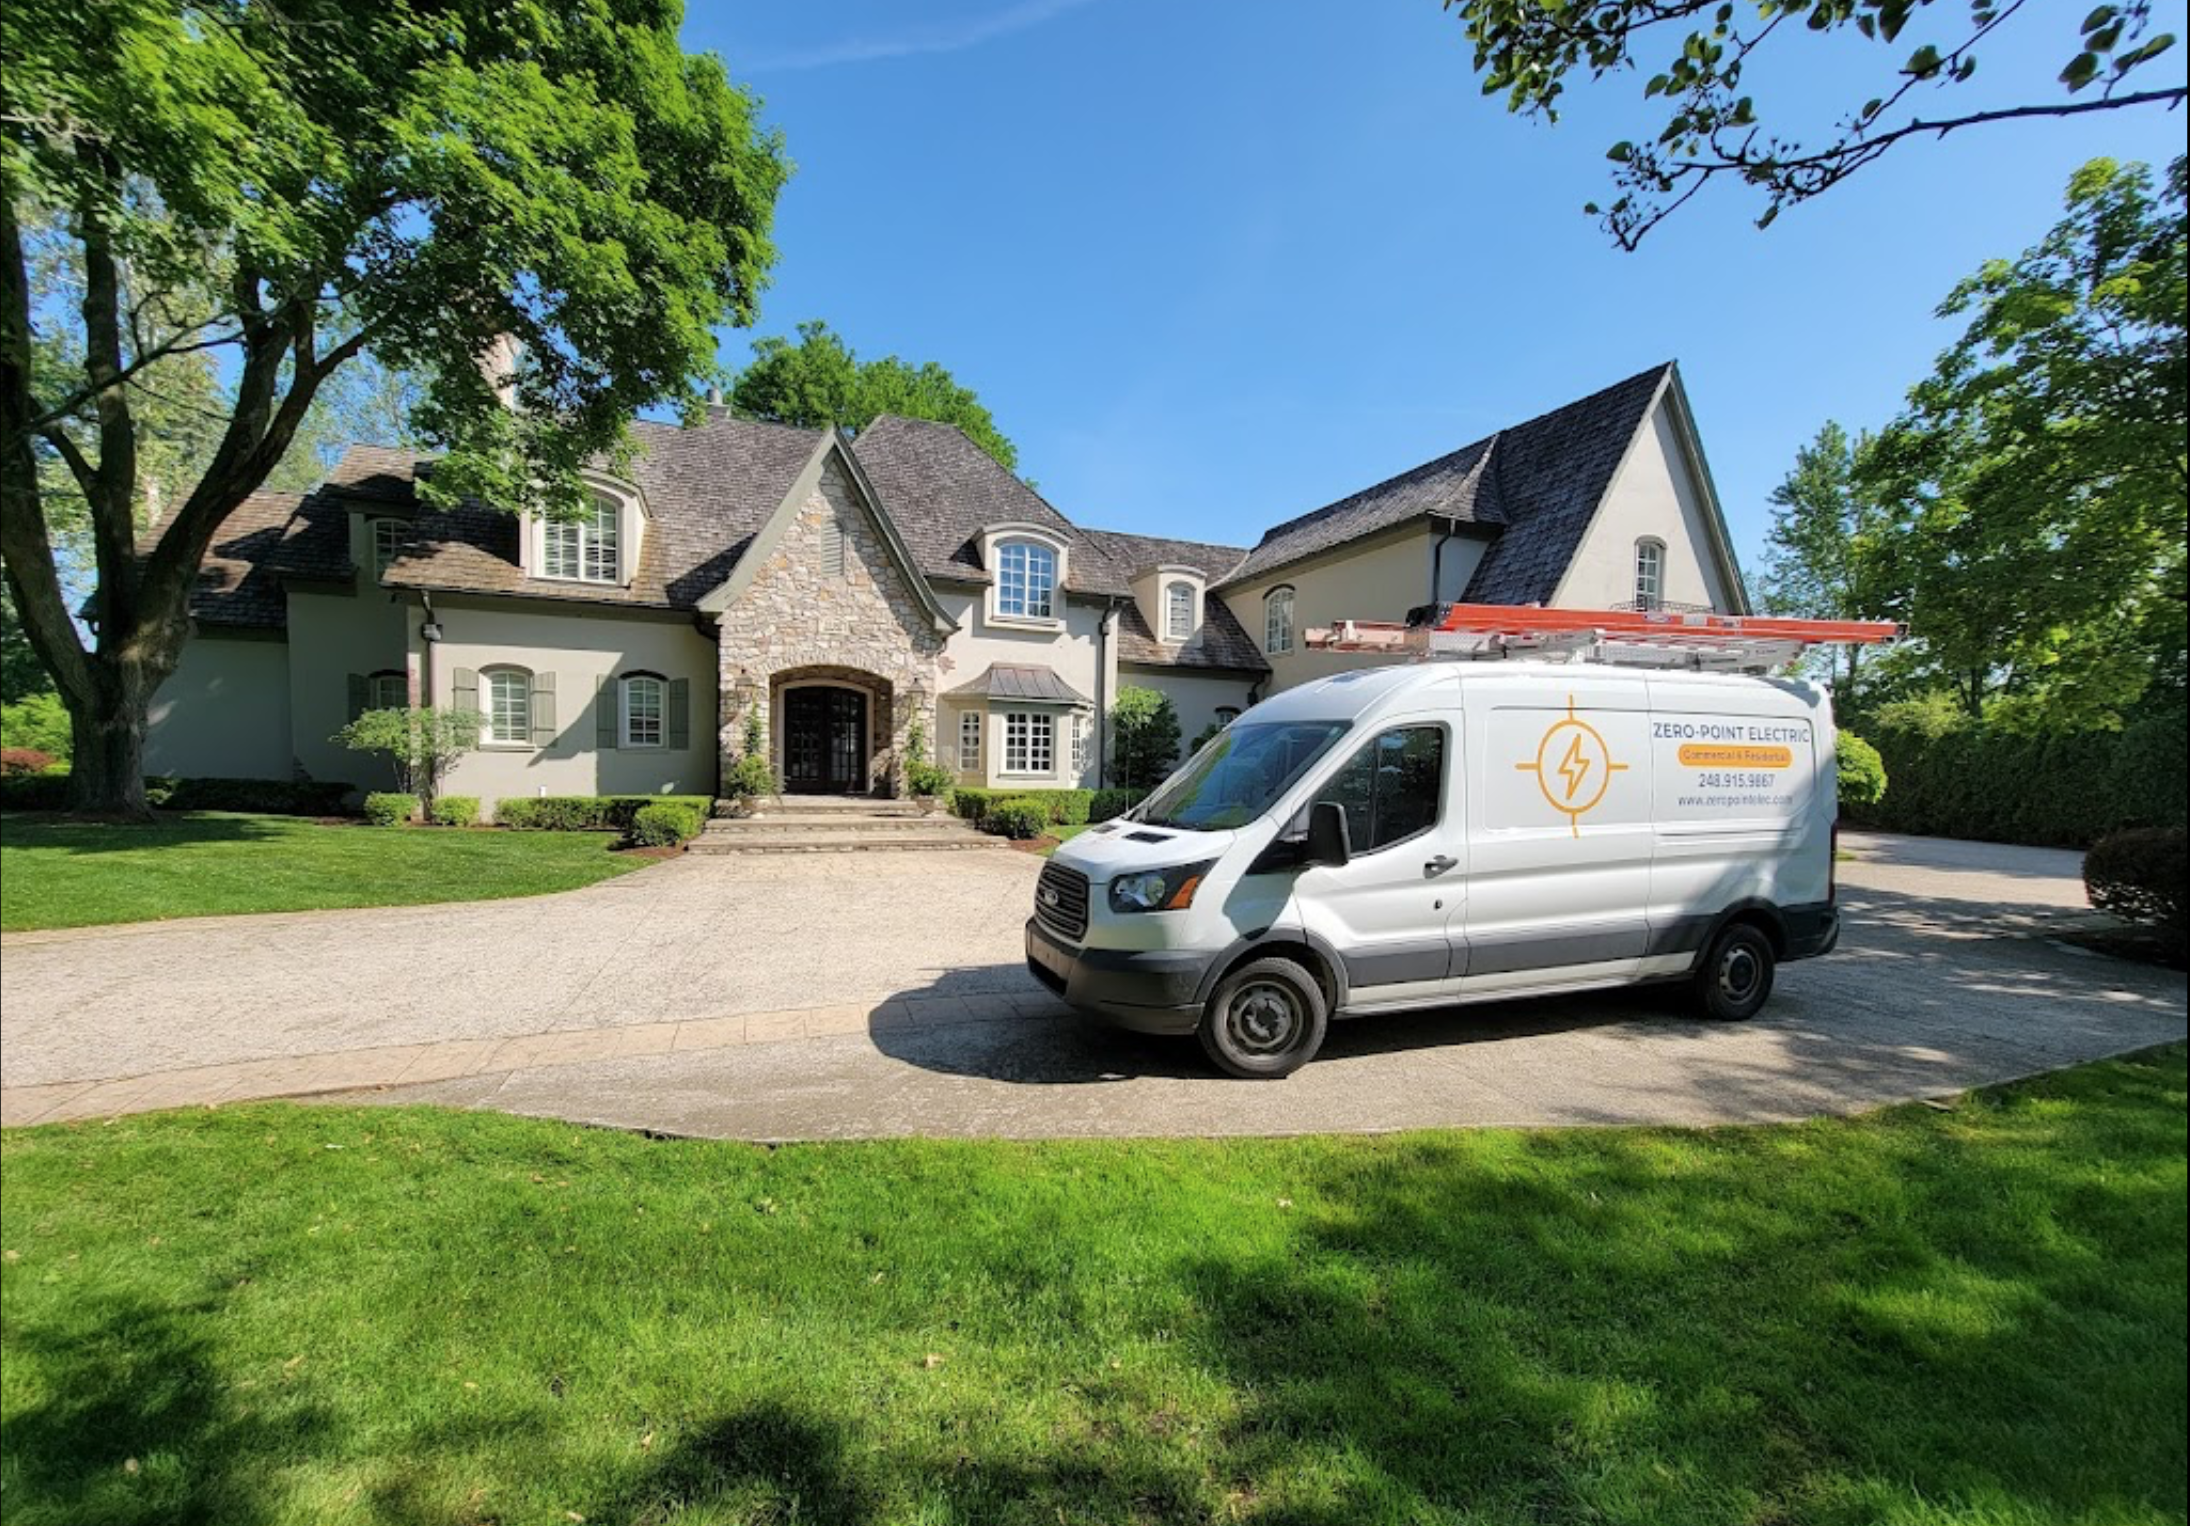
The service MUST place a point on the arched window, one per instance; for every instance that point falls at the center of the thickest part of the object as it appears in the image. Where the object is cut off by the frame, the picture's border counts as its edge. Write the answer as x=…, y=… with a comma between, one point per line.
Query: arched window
x=505, y=707
x=1178, y=611
x=1026, y=581
x=584, y=548
x=1649, y=573
x=644, y=707
x=388, y=690
x=1277, y=621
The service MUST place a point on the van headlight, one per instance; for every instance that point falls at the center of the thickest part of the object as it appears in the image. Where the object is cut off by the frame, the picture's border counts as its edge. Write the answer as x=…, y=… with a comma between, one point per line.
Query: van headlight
x=1158, y=889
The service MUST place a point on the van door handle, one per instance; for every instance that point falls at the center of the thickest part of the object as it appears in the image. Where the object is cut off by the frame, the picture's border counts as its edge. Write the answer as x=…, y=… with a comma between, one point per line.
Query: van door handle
x=1440, y=864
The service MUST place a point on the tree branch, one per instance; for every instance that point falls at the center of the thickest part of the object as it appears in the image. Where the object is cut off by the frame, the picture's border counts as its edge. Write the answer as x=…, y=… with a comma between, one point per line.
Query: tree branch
x=113, y=487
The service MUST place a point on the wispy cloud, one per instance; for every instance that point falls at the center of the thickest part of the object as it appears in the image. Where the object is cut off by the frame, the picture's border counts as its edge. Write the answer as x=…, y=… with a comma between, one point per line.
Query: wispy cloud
x=935, y=37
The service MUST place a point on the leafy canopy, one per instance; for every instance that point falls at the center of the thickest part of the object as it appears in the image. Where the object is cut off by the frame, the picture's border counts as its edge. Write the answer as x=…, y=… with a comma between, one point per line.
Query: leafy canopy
x=1144, y=736
x=422, y=743
x=1694, y=56
x=1821, y=559
x=818, y=381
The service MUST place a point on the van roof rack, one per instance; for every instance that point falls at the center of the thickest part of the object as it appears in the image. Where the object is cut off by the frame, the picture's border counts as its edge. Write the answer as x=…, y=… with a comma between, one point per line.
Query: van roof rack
x=1648, y=638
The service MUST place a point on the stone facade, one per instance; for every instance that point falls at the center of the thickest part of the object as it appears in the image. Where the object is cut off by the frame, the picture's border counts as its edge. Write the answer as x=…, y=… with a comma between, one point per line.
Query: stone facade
x=800, y=620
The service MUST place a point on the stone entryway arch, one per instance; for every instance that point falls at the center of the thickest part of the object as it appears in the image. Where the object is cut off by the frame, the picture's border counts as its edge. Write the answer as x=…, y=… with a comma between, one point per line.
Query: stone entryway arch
x=833, y=730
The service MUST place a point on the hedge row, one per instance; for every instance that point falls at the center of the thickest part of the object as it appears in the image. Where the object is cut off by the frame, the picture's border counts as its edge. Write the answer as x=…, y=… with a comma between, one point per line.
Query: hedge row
x=1065, y=807
x=264, y=797
x=586, y=813
x=2064, y=792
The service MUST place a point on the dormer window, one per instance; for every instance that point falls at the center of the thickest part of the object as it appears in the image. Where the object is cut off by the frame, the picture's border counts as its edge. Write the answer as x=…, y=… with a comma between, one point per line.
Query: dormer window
x=1026, y=581
x=387, y=544
x=587, y=549
x=1178, y=611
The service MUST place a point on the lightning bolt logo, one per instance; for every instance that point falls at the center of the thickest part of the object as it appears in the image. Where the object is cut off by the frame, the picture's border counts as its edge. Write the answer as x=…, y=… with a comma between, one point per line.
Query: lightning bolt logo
x=1574, y=768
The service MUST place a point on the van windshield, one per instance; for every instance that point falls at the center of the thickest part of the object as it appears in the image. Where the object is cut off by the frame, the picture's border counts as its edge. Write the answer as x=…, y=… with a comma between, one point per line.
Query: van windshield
x=1239, y=775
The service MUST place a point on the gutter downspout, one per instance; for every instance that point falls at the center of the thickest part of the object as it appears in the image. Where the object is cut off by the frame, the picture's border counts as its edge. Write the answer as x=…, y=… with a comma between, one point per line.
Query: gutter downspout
x=1102, y=691
x=1437, y=560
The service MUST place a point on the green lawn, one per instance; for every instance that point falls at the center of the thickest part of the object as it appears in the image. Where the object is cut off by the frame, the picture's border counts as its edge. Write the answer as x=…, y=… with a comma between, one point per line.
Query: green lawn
x=60, y=873
x=289, y=1314
x=1062, y=835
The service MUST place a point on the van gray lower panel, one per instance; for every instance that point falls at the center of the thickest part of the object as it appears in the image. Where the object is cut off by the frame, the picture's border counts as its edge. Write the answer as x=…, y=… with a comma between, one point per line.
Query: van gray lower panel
x=1395, y=964
x=1551, y=950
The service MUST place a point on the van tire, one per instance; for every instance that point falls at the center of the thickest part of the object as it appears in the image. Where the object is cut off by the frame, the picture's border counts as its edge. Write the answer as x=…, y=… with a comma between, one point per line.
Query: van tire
x=1734, y=979
x=1265, y=1020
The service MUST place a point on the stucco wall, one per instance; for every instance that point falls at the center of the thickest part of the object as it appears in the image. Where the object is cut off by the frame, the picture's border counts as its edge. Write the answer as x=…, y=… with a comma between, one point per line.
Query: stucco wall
x=1380, y=581
x=1195, y=696
x=224, y=713
x=1653, y=495
x=583, y=646
x=331, y=636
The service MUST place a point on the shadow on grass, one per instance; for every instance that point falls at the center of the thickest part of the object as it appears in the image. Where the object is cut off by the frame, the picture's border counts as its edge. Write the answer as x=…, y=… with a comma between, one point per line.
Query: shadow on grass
x=67, y=834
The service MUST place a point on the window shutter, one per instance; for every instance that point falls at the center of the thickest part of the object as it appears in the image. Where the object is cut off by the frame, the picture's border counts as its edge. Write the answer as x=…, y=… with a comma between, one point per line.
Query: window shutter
x=467, y=690
x=680, y=713
x=604, y=713
x=543, y=709
x=360, y=695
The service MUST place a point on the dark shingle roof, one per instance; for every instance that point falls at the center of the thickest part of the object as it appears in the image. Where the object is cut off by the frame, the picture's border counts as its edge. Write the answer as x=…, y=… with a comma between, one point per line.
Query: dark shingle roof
x=943, y=490
x=1535, y=487
x=239, y=582
x=1133, y=555
x=1220, y=643
x=1026, y=681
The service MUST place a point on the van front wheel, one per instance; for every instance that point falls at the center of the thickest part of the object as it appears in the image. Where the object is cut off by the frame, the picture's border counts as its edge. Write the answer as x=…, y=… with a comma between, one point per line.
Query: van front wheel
x=1265, y=1020
x=1735, y=978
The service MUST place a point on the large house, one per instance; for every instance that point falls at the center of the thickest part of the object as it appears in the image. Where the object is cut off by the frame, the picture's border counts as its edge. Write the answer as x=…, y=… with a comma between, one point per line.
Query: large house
x=851, y=589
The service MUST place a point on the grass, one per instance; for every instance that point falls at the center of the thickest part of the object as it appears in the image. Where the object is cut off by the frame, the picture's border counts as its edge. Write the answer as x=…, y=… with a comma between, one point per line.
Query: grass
x=55, y=872
x=282, y=1314
x=1056, y=837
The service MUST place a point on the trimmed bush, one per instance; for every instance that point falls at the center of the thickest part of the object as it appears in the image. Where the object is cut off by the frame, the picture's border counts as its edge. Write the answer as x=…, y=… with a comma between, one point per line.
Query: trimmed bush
x=455, y=811
x=33, y=792
x=2058, y=792
x=388, y=809
x=17, y=761
x=663, y=824
x=1108, y=804
x=1862, y=771
x=584, y=813
x=259, y=797
x=1019, y=817
x=2139, y=877
x=1064, y=807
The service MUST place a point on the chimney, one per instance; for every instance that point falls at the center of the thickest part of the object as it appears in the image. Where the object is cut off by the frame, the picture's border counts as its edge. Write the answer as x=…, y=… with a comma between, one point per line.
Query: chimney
x=498, y=364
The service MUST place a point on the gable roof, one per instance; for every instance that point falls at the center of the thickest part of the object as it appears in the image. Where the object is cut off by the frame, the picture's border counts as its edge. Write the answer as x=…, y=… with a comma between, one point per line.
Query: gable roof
x=1447, y=487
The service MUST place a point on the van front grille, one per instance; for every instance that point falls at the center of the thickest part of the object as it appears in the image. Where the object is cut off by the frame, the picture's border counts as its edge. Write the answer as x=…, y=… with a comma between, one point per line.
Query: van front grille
x=1060, y=900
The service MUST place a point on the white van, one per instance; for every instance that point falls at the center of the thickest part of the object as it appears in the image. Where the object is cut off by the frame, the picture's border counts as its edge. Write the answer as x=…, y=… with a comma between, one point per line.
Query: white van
x=1424, y=835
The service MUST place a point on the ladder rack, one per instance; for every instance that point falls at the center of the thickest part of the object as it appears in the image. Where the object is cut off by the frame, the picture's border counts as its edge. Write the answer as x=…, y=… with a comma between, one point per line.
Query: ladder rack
x=1627, y=638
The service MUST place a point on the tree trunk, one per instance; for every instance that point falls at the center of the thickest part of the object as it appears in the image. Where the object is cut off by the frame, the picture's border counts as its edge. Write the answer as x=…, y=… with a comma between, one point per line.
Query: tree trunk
x=106, y=776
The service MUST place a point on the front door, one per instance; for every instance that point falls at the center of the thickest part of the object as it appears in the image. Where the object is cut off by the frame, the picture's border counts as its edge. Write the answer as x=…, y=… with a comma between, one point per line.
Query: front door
x=824, y=741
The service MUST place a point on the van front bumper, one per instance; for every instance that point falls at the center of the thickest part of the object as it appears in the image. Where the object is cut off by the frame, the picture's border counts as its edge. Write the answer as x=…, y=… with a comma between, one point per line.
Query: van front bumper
x=1146, y=990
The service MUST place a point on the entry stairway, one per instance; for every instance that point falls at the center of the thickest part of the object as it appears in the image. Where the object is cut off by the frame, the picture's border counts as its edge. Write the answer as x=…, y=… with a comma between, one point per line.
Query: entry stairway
x=837, y=824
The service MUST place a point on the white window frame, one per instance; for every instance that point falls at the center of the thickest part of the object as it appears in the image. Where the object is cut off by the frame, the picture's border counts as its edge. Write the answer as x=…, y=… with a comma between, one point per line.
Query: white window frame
x=1082, y=750
x=584, y=550
x=383, y=556
x=1030, y=738
x=1227, y=714
x=490, y=731
x=1650, y=573
x=1277, y=621
x=628, y=734
x=1178, y=627
x=388, y=690
x=970, y=723
x=1033, y=583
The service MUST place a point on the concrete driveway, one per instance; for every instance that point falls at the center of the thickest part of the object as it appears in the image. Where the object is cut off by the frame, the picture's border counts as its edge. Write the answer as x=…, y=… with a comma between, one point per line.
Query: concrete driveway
x=846, y=996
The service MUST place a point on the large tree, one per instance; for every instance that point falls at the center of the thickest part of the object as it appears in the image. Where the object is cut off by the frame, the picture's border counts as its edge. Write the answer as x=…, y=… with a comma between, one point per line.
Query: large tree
x=544, y=203
x=818, y=381
x=1693, y=57
x=2039, y=476
x=1822, y=560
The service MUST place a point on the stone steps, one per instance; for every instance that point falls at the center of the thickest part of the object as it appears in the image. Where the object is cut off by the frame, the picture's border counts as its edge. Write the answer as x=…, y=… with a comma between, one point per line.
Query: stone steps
x=835, y=824
x=964, y=837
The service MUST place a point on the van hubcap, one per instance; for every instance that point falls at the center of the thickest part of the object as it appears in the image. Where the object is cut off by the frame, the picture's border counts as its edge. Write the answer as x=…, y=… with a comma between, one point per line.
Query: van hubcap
x=1264, y=1018
x=1739, y=972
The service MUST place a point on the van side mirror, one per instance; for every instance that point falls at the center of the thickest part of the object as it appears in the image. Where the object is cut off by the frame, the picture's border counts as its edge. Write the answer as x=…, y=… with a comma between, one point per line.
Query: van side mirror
x=1330, y=840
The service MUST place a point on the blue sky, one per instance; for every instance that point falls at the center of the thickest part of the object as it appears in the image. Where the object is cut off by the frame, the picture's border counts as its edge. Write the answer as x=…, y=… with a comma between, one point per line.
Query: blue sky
x=1214, y=265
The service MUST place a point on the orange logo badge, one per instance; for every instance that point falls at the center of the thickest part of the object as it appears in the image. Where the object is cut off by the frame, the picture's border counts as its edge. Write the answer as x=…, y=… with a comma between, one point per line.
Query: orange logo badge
x=1573, y=767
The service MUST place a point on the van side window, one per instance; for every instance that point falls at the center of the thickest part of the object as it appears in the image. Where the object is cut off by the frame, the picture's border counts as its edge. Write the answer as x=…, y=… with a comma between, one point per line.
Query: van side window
x=1392, y=789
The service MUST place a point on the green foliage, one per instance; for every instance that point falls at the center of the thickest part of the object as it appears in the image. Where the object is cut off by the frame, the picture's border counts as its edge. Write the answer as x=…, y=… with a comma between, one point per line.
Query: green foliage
x=34, y=792
x=1144, y=730
x=663, y=824
x=1930, y=715
x=422, y=744
x=1018, y=817
x=819, y=381
x=584, y=813
x=1064, y=807
x=389, y=808
x=21, y=673
x=1692, y=58
x=38, y=721
x=1862, y=771
x=2052, y=791
x=752, y=776
x=923, y=778
x=266, y=797
x=454, y=811
x=1111, y=803
x=2036, y=478
x=1822, y=559
x=2140, y=877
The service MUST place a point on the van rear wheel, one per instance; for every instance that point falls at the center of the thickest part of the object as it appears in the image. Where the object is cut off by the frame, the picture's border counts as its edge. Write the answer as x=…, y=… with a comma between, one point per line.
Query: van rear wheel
x=1265, y=1020
x=1735, y=978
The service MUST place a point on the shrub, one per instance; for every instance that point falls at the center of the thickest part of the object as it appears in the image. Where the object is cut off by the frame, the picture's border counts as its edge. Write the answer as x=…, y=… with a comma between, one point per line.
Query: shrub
x=1019, y=817
x=584, y=813
x=1065, y=807
x=39, y=722
x=421, y=744
x=2138, y=876
x=922, y=776
x=389, y=809
x=264, y=797
x=17, y=761
x=33, y=792
x=1110, y=803
x=1144, y=729
x=1862, y=771
x=662, y=824
x=454, y=811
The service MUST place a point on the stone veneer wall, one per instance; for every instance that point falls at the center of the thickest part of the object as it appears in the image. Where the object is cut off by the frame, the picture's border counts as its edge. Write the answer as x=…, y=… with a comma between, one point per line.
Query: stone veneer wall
x=866, y=627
